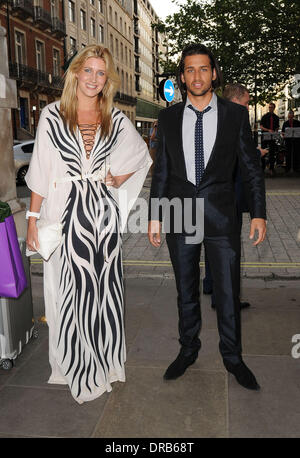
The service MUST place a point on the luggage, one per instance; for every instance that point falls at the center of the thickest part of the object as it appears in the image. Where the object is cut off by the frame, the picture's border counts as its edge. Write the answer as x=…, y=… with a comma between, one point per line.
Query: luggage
x=16, y=319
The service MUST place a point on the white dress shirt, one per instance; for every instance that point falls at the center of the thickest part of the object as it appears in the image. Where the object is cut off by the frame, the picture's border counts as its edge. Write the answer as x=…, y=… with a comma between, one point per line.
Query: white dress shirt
x=210, y=121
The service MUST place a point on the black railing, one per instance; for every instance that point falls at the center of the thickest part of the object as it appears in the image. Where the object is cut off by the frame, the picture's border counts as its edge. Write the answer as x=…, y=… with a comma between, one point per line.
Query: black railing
x=121, y=97
x=22, y=72
x=58, y=26
x=42, y=16
x=23, y=6
x=34, y=77
x=57, y=82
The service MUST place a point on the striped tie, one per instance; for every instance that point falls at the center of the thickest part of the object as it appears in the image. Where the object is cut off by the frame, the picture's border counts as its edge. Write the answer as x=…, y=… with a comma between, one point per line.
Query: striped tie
x=199, y=149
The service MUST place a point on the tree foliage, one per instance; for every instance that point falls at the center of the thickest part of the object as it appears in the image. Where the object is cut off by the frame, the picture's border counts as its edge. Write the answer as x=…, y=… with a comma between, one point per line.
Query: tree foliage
x=256, y=42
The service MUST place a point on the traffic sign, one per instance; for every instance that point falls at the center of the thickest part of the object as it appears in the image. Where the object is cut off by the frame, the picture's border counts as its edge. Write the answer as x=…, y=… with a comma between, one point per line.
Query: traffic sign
x=167, y=90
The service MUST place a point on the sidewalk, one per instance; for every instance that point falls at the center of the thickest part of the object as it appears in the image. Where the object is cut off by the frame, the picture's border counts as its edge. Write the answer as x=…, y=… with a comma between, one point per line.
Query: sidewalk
x=206, y=401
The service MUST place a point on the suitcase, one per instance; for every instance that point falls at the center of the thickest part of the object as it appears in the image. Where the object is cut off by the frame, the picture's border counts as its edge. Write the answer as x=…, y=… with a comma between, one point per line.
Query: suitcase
x=16, y=319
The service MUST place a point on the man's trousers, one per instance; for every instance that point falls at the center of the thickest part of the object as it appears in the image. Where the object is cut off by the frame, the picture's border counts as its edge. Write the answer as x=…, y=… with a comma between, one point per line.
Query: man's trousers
x=224, y=259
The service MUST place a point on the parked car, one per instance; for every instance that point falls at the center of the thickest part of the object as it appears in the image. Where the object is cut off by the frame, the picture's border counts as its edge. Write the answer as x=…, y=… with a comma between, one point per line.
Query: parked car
x=22, y=156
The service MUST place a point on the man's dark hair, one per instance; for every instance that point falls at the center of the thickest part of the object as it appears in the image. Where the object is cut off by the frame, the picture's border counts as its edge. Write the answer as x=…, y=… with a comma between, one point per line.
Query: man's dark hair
x=234, y=90
x=192, y=50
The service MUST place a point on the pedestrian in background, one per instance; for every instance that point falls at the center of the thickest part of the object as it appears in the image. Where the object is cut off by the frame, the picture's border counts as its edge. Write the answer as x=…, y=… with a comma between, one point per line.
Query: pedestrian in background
x=239, y=94
x=269, y=123
x=292, y=157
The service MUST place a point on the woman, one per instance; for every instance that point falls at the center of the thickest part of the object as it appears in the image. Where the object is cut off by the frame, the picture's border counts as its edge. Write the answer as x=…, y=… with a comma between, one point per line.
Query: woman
x=85, y=152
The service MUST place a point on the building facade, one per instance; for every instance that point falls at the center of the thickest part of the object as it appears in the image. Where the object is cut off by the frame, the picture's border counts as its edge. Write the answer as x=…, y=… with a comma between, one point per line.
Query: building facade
x=148, y=49
x=85, y=24
x=35, y=42
x=43, y=35
x=120, y=44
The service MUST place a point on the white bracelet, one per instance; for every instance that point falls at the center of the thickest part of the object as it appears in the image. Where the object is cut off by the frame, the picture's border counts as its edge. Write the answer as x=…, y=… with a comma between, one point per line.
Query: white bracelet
x=36, y=215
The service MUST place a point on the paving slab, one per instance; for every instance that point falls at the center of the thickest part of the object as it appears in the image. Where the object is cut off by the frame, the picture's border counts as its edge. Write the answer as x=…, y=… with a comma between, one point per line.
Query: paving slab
x=272, y=412
x=149, y=407
x=269, y=332
x=44, y=412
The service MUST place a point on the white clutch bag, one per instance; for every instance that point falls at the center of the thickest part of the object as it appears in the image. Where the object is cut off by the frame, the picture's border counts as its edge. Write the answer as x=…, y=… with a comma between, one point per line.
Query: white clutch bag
x=49, y=235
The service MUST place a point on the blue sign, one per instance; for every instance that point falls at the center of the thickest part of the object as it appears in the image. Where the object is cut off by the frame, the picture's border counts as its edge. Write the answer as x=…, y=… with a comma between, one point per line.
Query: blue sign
x=169, y=91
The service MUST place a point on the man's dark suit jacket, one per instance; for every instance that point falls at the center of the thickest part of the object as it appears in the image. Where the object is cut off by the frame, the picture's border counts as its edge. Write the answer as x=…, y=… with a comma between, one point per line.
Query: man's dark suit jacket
x=233, y=143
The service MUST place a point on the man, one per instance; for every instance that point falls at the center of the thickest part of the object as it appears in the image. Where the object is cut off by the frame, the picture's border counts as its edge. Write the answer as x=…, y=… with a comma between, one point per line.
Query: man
x=292, y=144
x=236, y=93
x=199, y=143
x=269, y=123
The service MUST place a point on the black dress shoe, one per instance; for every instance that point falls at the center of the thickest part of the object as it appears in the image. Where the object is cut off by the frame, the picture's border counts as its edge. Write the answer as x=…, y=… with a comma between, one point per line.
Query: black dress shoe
x=179, y=366
x=243, y=305
x=243, y=375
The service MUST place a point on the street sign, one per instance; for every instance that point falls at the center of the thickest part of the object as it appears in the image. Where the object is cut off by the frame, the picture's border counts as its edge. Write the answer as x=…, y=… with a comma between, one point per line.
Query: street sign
x=167, y=90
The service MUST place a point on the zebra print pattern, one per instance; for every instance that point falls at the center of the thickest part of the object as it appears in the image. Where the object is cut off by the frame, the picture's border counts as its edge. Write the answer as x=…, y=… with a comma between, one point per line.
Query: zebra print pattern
x=90, y=329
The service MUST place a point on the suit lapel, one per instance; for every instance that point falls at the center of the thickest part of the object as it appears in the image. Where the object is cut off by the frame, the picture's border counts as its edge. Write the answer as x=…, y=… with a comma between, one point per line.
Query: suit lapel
x=220, y=132
x=177, y=130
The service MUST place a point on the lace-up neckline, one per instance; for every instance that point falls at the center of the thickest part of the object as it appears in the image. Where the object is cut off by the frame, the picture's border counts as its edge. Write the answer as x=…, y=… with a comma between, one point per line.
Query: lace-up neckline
x=88, y=133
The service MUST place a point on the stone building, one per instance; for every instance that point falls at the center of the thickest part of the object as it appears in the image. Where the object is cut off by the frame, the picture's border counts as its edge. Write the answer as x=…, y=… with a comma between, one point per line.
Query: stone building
x=35, y=46
x=148, y=49
x=44, y=34
x=85, y=24
x=120, y=43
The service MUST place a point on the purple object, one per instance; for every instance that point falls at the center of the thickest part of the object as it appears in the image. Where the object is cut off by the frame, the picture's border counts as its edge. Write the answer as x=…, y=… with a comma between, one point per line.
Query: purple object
x=12, y=275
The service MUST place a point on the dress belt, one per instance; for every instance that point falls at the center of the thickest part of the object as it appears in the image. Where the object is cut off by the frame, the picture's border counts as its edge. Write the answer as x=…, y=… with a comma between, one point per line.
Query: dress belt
x=82, y=176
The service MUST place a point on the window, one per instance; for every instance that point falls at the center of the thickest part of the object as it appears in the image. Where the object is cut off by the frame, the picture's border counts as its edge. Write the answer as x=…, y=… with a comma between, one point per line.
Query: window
x=100, y=6
x=53, y=7
x=71, y=11
x=116, y=20
x=92, y=2
x=111, y=44
x=121, y=25
x=73, y=45
x=83, y=19
x=101, y=34
x=117, y=48
x=20, y=48
x=110, y=14
x=93, y=27
x=122, y=53
x=56, y=62
x=40, y=55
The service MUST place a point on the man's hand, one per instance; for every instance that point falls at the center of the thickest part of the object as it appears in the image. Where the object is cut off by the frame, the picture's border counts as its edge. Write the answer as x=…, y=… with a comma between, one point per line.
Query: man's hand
x=259, y=225
x=154, y=232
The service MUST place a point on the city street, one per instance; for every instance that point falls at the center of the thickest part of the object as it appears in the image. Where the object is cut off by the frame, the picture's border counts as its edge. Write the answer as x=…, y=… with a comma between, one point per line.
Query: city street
x=206, y=401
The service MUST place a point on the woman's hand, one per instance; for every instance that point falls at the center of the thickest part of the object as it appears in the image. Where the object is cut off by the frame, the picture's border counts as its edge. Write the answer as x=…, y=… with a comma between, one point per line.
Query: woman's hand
x=114, y=181
x=110, y=180
x=32, y=240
